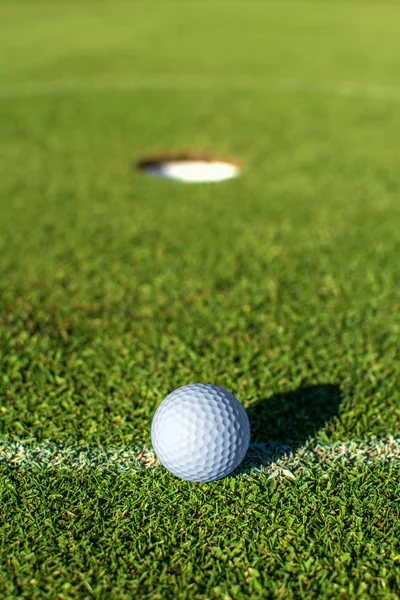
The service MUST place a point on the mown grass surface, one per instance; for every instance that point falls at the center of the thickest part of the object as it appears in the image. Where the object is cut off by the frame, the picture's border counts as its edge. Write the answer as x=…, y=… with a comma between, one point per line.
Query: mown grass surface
x=149, y=535
x=281, y=286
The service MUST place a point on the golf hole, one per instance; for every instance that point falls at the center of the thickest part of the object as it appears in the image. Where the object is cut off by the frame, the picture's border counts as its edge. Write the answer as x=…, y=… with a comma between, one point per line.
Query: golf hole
x=189, y=169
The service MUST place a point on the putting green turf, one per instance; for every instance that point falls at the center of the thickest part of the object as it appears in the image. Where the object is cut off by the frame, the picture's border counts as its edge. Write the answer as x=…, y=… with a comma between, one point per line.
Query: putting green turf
x=281, y=286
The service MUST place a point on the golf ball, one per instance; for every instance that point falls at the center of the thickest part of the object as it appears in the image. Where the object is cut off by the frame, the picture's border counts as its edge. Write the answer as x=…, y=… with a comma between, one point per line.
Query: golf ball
x=200, y=432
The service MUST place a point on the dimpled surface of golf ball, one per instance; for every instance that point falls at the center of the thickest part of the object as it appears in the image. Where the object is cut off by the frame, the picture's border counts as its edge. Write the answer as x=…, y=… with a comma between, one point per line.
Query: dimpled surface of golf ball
x=200, y=432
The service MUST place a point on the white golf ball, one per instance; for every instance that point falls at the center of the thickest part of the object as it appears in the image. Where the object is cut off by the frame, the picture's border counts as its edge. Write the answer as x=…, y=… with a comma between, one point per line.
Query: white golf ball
x=200, y=432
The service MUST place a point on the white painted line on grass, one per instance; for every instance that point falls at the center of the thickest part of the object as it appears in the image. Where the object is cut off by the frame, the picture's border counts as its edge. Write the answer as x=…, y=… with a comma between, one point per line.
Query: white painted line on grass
x=199, y=82
x=274, y=459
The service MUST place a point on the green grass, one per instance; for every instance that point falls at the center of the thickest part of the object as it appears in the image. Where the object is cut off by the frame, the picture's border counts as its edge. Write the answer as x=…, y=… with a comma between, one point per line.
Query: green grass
x=281, y=286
